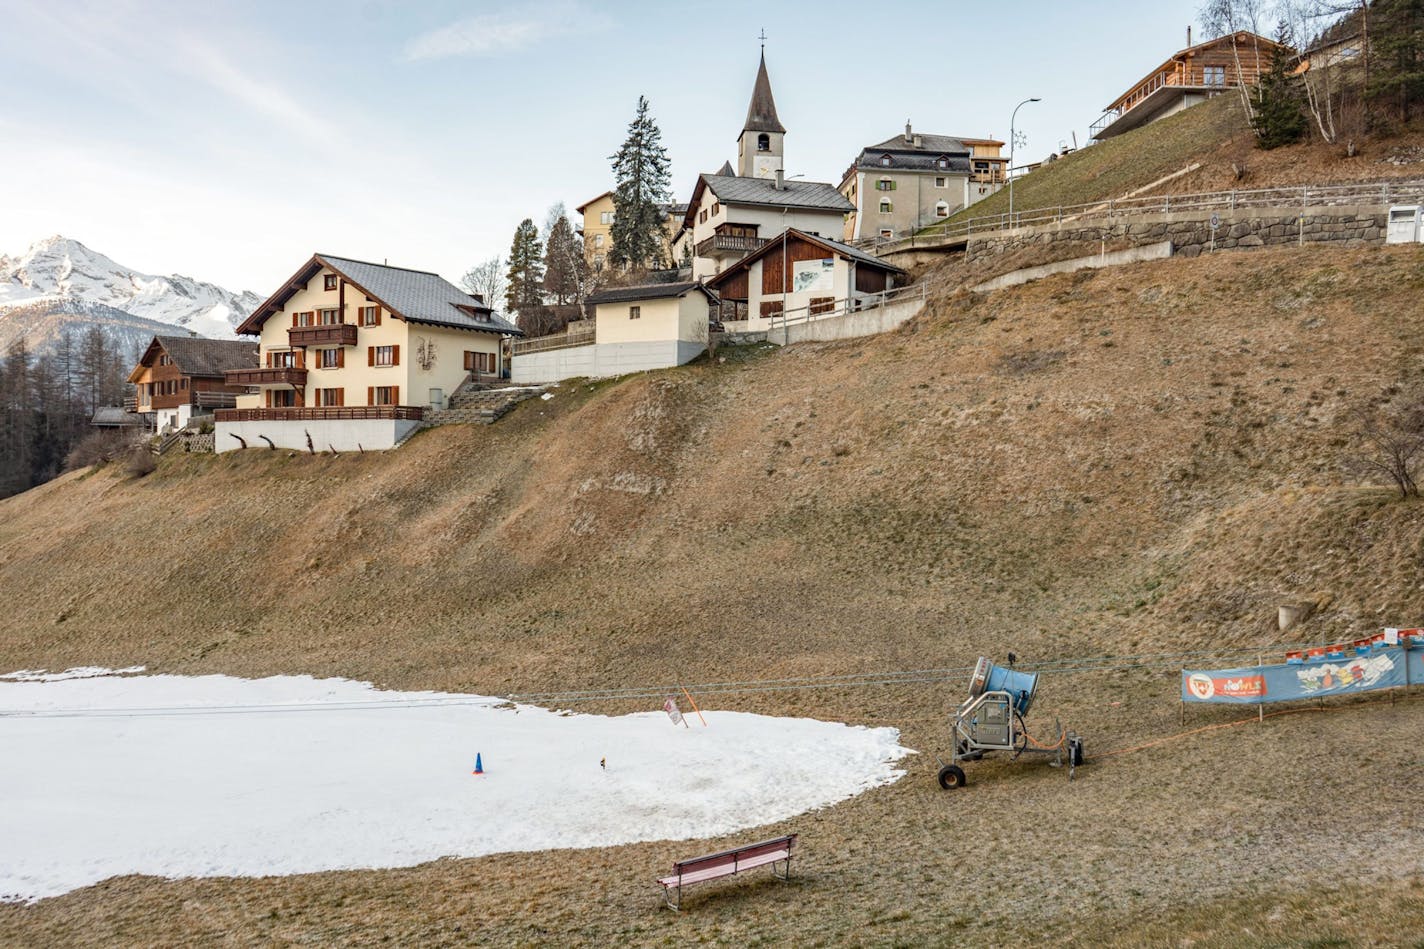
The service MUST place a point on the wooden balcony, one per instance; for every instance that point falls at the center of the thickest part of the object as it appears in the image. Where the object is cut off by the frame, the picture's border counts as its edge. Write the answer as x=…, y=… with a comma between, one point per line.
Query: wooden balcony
x=322, y=413
x=296, y=378
x=335, y=334
x=728, y=245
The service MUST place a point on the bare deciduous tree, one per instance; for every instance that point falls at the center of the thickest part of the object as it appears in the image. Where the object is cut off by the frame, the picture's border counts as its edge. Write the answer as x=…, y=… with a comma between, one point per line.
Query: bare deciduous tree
x=1390, y=444
x=488, y=280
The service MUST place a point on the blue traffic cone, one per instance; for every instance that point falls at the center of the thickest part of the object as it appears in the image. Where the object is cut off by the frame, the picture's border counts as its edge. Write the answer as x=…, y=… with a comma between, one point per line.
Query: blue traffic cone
x=479, y=765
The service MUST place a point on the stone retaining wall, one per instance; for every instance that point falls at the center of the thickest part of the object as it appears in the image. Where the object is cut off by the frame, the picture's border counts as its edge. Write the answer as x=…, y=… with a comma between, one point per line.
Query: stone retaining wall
x=1190, y=232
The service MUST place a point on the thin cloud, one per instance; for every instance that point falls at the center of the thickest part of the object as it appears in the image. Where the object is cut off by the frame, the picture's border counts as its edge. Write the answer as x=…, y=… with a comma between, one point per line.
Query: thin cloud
x=491, y=34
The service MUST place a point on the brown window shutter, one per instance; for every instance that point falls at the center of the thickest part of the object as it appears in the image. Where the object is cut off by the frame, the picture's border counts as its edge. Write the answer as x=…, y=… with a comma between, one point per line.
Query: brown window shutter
x=294, y=317
x=370, y=395
x=395, y=395
x=341, y=358
x=370, y=355
x=378, y=316
x=395, y=355
x=340, y=396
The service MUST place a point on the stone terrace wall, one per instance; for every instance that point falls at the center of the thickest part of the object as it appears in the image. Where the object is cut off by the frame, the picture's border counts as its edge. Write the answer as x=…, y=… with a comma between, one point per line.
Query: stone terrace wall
x=1190, y=232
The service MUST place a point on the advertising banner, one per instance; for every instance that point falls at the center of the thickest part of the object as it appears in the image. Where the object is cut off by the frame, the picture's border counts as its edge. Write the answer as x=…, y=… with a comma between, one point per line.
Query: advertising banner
x=1333, y=673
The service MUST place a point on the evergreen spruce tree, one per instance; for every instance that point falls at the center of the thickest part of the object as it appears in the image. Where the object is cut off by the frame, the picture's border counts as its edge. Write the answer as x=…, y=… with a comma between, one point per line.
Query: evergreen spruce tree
x=642, y=175
x=526, y=272
x=1279, y=119
x=1396, y=77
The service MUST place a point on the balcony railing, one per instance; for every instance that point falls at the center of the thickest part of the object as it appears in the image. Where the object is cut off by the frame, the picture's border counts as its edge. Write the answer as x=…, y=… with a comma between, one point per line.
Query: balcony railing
x=719, y=245
x=322, y=413
x=337, y=334
x=296, y=378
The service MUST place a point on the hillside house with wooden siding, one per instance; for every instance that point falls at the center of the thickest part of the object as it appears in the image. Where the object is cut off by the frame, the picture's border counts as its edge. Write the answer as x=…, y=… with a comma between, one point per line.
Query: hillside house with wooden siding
x=901, y=184
x=353, y=353
x=182, y=376
x=803, y=275
x=1189, y=76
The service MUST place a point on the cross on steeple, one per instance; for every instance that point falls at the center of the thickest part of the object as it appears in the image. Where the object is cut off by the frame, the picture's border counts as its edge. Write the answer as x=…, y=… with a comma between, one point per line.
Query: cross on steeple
x=762, y=36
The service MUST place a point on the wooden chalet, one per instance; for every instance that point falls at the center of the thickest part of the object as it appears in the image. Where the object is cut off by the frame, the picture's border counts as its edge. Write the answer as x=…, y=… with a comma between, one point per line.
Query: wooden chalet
x=180, y=374
x=1189, y=76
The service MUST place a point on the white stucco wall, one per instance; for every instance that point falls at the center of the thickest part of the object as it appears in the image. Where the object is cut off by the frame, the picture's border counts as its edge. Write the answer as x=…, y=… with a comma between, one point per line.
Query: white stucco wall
x=343, y=435
x=603, y=359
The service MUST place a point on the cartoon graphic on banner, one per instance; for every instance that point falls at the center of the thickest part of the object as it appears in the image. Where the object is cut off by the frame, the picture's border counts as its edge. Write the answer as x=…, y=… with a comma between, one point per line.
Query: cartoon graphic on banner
x=813, y=275
x=1379, y=666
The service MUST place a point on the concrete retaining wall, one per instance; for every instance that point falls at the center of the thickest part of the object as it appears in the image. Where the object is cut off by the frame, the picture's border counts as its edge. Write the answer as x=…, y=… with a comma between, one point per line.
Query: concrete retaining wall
x=1132, y=255
x=867, y=322
x=343, y=435
x=1190, y=232
x=601, y=359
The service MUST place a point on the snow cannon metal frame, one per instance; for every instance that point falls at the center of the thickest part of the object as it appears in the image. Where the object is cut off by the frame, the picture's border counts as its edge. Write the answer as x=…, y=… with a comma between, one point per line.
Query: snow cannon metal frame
x=992, y=719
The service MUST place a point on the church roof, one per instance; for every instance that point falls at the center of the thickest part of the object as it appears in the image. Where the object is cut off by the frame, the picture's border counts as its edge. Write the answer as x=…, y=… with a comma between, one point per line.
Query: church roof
x=727, y=170
x=761, y=113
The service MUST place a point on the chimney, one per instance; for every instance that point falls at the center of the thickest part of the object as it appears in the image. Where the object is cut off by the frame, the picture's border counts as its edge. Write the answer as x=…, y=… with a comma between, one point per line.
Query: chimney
x=780, y=183
x=907, y=130
x=1189, y=36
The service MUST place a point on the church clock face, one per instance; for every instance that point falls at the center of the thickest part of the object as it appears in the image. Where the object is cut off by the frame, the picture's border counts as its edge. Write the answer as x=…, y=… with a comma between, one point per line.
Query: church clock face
x=765, y=166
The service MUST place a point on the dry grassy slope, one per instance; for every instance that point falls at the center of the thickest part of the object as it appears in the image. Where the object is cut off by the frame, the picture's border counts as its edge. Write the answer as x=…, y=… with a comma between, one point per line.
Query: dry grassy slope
x=1215, y=136
x=1104, y=457
x=1140, y=458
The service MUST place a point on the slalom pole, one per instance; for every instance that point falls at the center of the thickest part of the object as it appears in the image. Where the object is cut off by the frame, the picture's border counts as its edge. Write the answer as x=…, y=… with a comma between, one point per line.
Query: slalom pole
x=694, y=705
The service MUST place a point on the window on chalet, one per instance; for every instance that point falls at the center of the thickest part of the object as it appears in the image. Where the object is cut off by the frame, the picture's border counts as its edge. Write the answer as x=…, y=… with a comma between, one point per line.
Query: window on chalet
x=307, y=318
x=885, y=161
x=281, y=398
x=763, y=142
x=328, y=317
x=941, y=162
x=329, y=359
x=329, y=282
x=383, y=395
x=941, y=181
x=370, y=316
x=635, y=312
x=886, y=206
x=165, y=360
x=770, y=308
x=941, y=210
x=282, y=359
x=605, y=217
x=1213, y=75
x=716, y=206
x=822, y=305
x=702, y=216
x=884, y=184
x=479, y=362
x=327, y=398
x=383, y=355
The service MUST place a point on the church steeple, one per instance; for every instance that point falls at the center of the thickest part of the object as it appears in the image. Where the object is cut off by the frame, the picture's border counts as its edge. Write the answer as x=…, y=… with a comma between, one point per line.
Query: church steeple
x=759, y=148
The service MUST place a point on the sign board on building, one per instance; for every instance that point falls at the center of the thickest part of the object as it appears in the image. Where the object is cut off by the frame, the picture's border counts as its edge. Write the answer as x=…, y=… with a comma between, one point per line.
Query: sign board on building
x=813, y=275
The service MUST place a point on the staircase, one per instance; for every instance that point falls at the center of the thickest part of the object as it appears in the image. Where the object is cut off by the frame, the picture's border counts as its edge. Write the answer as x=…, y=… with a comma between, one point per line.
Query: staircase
x=481, y=402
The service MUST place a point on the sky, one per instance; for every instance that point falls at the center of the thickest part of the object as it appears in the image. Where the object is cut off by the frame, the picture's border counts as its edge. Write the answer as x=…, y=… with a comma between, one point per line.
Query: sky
x=230, y=141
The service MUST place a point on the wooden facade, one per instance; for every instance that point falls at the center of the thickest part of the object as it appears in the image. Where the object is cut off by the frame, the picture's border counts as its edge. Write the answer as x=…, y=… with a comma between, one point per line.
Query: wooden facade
x=161, y=381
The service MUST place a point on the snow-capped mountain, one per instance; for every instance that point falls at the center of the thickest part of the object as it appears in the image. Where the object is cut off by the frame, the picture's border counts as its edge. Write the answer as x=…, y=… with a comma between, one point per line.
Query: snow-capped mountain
x=62, y=276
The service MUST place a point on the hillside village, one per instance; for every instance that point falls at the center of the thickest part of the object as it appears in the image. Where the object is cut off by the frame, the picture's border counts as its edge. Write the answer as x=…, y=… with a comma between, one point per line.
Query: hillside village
x=404, y=616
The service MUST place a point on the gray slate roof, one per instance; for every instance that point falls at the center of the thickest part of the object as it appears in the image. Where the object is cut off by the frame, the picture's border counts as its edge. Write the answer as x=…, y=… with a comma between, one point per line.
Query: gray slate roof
x=816, y=195
x=907, y=157
x=647, y=291
x=418, y=296
x=939, y=144
x=196, y=356
x=113, y=416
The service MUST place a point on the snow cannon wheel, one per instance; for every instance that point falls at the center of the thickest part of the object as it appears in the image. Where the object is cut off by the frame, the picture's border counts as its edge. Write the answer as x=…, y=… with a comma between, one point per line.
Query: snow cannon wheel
x=951, y=776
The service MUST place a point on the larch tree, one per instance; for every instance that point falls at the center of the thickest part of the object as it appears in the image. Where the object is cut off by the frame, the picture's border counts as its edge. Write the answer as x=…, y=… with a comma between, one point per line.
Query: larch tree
x=565, y=270
x=642, y=174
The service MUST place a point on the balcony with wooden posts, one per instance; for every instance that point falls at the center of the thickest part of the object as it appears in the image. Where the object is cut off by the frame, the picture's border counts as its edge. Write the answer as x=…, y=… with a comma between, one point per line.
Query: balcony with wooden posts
x=729, y=245
x=268, y=376
x=332, y=334
x=322, y=413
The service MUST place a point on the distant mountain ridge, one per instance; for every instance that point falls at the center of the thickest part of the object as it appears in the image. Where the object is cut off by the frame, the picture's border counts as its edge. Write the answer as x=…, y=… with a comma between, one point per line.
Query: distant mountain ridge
x=59, y=282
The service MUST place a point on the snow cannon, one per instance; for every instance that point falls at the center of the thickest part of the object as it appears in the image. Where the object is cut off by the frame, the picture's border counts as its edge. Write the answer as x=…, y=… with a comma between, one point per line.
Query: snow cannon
x=992, y=719
x=991, y=678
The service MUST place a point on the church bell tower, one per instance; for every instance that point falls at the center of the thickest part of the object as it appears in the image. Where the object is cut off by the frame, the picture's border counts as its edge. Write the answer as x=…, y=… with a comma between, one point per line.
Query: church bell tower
x=760, y=147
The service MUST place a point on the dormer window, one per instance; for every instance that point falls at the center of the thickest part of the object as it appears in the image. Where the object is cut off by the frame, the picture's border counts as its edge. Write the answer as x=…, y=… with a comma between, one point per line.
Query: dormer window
x=942, y=162
x=763, y=142
x=885, y=161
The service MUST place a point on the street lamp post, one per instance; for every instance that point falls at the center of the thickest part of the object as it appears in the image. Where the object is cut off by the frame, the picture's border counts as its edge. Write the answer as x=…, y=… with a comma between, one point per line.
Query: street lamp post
x=1012, y=117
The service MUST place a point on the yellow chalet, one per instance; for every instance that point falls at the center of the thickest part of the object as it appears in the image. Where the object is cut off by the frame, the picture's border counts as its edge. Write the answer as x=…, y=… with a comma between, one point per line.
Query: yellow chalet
x=351, y=355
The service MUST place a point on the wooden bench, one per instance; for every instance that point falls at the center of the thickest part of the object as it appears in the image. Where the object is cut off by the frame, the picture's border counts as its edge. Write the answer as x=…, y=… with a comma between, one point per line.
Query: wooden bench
x=728, y=863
